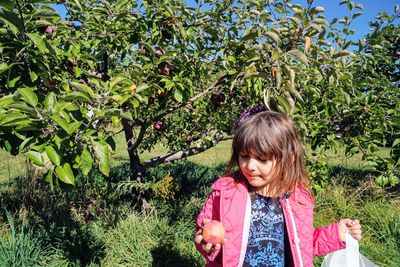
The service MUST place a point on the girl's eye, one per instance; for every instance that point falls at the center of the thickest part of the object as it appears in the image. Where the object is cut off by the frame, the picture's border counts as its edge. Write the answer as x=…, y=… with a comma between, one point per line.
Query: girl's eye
x=244, y=156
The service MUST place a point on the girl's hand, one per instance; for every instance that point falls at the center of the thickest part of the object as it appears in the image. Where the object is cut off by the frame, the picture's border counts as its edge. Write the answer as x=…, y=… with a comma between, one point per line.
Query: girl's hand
x=207, y=247
x=353, y=227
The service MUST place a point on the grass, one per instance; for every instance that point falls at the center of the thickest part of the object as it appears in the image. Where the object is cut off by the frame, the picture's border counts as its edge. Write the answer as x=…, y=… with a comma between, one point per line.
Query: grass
x=115, y=234
x=377, y=211
x=20, y=247
x=211, y=157
x=11, y=166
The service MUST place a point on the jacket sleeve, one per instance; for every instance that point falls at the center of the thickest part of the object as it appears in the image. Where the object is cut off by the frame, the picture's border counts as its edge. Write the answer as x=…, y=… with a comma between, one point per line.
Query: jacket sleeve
x=210, y=210
x=326, y=239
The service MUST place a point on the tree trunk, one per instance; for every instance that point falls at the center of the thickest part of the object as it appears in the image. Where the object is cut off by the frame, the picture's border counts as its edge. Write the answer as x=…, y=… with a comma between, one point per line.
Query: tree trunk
x=136, y=167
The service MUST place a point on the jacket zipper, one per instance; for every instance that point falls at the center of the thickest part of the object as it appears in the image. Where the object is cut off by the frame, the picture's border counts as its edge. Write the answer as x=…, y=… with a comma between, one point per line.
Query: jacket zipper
x=296, y=237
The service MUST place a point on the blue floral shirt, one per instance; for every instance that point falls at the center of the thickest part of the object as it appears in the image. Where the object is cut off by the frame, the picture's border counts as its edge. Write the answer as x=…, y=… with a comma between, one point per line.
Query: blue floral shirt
x=266, y=244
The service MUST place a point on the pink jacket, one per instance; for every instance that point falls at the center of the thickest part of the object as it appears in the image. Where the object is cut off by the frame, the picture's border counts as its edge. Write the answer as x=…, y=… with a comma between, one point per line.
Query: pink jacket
x=229, y=202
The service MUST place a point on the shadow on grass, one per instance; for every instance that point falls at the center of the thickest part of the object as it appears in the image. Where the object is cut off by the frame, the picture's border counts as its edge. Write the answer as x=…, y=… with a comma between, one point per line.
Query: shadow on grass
x=355, y=178
x=164, y=256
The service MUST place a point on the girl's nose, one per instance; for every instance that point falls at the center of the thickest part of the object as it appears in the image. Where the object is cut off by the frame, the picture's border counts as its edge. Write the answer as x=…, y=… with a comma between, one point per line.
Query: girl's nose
x=251, y=164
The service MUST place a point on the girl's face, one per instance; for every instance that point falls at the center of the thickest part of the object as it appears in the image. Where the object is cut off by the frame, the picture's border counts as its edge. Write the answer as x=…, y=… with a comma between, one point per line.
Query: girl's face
x=258, y=171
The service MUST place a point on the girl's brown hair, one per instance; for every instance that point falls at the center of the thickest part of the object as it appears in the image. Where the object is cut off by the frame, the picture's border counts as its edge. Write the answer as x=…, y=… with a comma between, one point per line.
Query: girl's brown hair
x=274, y=135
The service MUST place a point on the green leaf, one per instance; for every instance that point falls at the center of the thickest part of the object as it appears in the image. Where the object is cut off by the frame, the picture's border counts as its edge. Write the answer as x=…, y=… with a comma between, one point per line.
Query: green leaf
x=49, y=179
x=29, y=95
x=65, y=174
x=369, y=166
x=38, y=41
x=86, y=162
x=7, y=4
x=299, y=55
x=4, y=67
x=103, y=155
x=53, y=155
x=61, y=122
x=78, y=96
x=135, y=103
x=142, y=87
x=284, y=103
x=84, y=88
x=49, y=101
x=381, y=180
x=35, y=157
x=357, y=14
x=33, y=75
x=320, y=21
x=25, y=143
x=72, y=127
x=12, y=20
x=22, y=106
x=343, y=53
x=396, y=142
x=178, y=95
x=12, y=82
x=12, y=118
x=5, y=100
x=115, y=81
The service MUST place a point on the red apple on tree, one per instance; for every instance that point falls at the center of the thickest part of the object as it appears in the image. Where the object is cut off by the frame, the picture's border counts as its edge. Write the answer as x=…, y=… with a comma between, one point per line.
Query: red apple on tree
x=50, y=29
x=158, y=125
x=189, y=139
x=159, y=53
x=166, y=70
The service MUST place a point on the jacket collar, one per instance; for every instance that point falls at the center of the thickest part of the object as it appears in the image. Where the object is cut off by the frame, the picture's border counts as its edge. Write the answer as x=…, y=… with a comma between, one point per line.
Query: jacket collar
x=228, y=183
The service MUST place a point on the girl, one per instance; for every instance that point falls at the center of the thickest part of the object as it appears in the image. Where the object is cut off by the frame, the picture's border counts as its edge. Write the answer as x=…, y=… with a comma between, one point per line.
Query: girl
x=265, y=202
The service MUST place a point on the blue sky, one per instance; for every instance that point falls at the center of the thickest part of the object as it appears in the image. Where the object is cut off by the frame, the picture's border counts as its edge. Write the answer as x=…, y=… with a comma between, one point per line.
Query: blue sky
x=360, y=24
x=333, y=9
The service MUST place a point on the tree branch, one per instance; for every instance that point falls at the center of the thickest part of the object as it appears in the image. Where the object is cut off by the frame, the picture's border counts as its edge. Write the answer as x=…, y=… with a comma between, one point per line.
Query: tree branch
x=191, y=100
x=147, y=123
x=139, y=139
x=183, y=153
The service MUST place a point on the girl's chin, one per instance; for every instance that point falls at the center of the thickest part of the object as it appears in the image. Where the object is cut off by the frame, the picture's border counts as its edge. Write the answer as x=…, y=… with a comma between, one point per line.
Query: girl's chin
x=257, y=182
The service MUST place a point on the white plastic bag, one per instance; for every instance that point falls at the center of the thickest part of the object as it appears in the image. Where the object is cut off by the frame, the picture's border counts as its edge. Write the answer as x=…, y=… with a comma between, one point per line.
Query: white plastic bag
x=348, y=257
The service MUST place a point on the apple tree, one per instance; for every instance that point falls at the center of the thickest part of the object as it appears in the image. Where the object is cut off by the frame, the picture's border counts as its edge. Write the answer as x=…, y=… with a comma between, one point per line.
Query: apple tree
x=166, y=72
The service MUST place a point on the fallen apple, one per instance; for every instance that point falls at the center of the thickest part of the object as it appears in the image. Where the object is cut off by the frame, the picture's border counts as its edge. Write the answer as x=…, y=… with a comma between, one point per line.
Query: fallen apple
x=213, y=232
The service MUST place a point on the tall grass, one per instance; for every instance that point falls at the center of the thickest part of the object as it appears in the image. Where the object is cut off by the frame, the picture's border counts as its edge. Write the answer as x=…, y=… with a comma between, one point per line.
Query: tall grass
x=150, y=241
x=377, y=209
x=20, y=248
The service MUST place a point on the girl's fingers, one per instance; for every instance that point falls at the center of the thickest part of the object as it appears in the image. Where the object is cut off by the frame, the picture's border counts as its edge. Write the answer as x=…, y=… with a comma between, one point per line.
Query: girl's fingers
x=355, y=229
x=207, y=247
x=205, y=221
x=198, y=239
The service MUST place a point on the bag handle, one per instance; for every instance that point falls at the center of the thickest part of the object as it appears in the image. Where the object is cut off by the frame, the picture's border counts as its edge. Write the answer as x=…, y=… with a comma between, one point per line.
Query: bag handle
x=352, y=251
